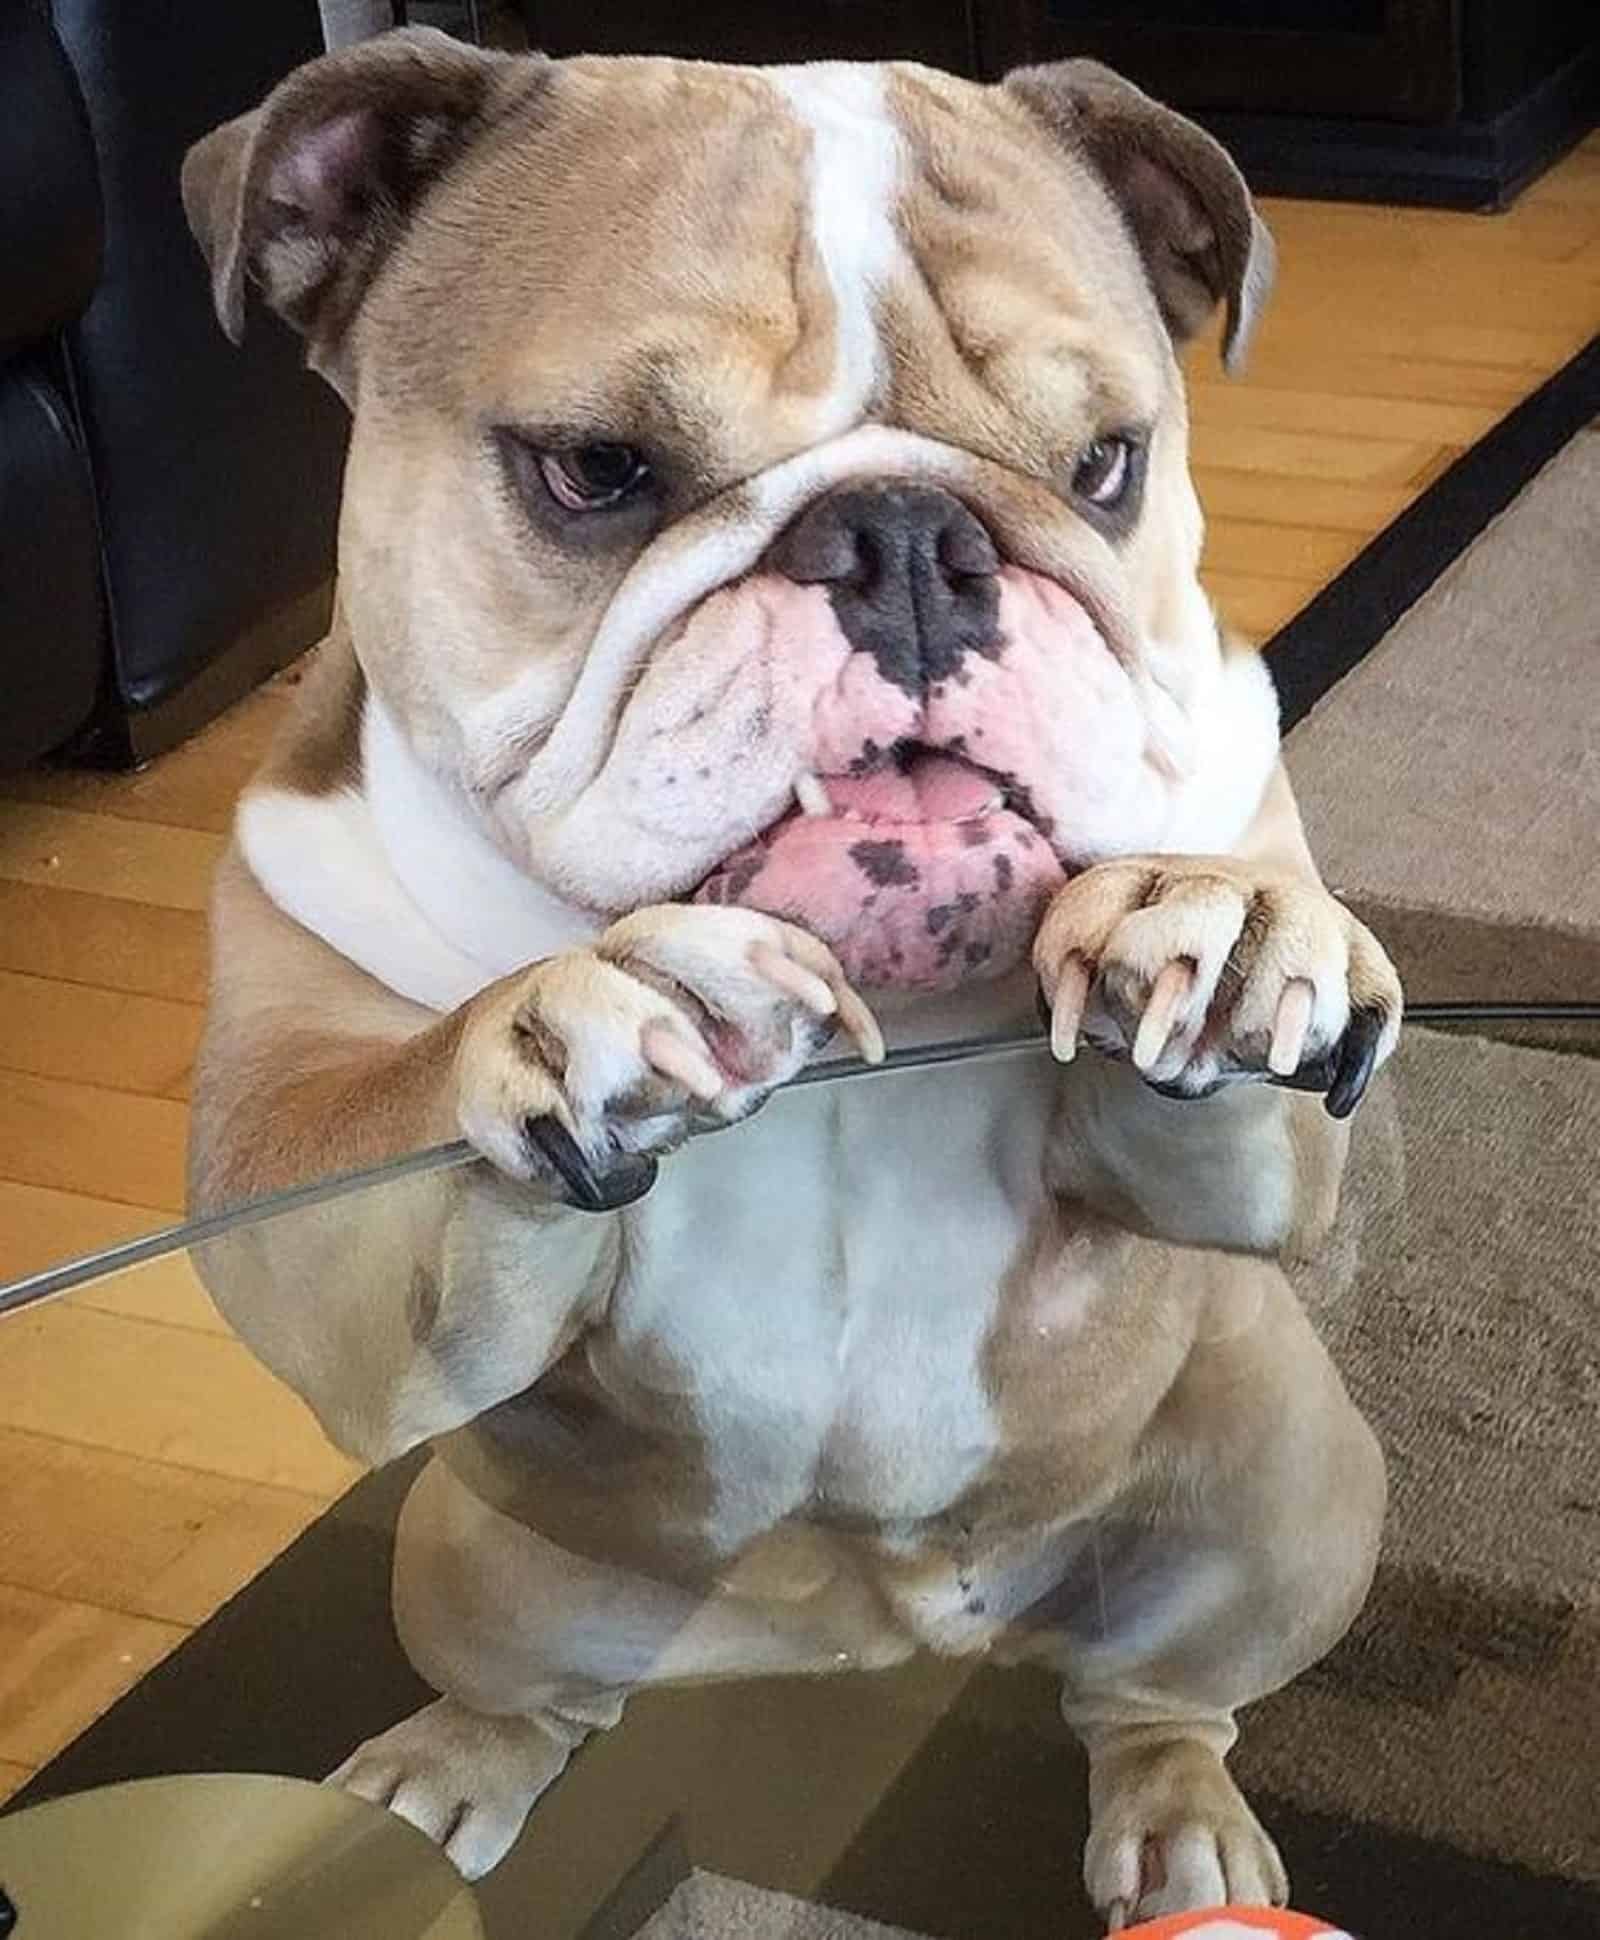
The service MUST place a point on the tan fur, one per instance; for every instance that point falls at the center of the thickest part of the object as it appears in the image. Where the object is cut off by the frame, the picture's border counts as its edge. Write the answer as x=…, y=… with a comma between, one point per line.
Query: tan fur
x=1177, y=1505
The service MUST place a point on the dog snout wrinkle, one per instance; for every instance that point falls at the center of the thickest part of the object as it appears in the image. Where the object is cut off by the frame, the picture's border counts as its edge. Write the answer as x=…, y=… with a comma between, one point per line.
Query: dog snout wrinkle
x=911, y=574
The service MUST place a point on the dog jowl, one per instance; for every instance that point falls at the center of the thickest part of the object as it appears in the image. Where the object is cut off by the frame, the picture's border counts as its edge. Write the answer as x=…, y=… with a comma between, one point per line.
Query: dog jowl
x=768, y=602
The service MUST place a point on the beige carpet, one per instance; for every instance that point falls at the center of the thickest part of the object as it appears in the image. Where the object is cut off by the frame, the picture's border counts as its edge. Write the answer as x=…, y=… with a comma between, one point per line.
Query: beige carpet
x=1451, y=784
x=709, y=1907
x=1463, y=1306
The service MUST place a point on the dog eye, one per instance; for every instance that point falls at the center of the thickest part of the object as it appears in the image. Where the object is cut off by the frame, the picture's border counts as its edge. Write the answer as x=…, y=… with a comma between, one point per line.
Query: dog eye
x=1105, y=472
x=588, y=478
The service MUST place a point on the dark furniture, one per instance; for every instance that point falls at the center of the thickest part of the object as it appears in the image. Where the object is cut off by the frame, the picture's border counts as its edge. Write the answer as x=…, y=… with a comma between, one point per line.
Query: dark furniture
x=1457, y=102
x=167, y=503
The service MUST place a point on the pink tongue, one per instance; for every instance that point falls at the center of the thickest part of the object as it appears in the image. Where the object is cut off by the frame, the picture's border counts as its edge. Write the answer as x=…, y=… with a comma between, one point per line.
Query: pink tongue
x=920, y=879
x=932, y=788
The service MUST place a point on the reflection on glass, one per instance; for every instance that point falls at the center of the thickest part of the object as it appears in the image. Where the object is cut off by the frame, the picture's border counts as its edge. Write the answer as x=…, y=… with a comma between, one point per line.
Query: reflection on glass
x=815, y=1529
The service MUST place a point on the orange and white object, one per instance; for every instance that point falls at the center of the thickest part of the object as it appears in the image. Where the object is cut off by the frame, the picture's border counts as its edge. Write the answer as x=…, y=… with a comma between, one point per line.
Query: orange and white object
x=1236, y=1923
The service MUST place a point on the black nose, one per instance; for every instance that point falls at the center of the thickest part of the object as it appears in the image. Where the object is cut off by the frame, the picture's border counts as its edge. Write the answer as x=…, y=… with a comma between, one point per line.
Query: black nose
x=911, y=574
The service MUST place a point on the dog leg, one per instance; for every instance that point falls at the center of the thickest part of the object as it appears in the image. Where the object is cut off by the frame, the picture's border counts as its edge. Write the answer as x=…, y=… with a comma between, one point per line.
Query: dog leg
x=1238, y=1561
x=1170, y=1831
x=465, y=1779
x=534, y=1647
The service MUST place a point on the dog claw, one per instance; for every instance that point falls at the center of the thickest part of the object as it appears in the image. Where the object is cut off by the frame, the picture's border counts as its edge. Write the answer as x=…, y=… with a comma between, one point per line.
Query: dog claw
x=1155, y=1026
x=804, y=985
x=1116, y=1916
x=1067, y=1003
x=1357, y=1059
x=630, y=1178
x=666, y=1051
x=1289, y=1029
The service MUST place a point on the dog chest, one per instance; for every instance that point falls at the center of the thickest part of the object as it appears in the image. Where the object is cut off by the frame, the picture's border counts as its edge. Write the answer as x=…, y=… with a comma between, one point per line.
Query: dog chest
x=815, y=1289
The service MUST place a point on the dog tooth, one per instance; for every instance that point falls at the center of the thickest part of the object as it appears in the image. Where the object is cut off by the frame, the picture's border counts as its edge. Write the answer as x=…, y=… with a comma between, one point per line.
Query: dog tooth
x=812, y=796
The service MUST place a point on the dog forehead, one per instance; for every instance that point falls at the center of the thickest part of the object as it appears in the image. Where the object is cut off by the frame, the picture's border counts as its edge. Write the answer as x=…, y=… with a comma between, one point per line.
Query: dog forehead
x=769, y=242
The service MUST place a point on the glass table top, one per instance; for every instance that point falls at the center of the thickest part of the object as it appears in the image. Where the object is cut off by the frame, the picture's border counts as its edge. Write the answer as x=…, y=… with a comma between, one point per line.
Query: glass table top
x=1434, y=1772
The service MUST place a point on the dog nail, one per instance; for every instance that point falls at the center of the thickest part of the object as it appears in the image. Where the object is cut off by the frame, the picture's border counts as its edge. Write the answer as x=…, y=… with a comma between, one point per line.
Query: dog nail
x=1066, y=1009
x=860, y=1024
x=1289, y=1030
x=1116, y=1916
x=804, y=985
x=1357, y=1060
x=666, y=1051
x=812, y=796
x=550, y=1138
x=629, y=1177
x=1155, y=1027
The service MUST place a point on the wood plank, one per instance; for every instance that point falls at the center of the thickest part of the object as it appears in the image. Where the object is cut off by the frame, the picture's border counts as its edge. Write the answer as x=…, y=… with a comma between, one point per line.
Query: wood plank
x=1395, y=281
x=1447, y=243
x=41, y=1226
x=1256, y=608
x=1342, y=414
x=1268, y=551
x=86, y=1139
x=46, y=931
x=1292, y=364
x=1352, y=329
x=166, y=1291
x=100, y=1037
x=1329, y=503
x=144, y=1538
x=137, y=862
x=13, y=1778
x=167, y=1394
x=193, y=787
x=62, y=1664
x=1219, y=445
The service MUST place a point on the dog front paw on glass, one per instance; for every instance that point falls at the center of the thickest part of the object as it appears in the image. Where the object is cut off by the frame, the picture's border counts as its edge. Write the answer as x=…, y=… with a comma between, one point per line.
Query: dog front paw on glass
x=580, y=1071
x=1205, y=970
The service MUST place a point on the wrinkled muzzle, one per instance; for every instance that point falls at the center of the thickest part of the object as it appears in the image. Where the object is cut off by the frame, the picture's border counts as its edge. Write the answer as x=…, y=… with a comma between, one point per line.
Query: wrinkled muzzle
x=946, y=736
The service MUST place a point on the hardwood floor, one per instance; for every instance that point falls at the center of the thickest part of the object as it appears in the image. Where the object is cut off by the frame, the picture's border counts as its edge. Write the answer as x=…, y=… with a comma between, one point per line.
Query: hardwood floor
x=148, y=1466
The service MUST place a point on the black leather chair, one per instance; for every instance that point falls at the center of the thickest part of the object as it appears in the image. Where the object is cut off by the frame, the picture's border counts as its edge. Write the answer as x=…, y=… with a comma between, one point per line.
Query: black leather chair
x=167, y=503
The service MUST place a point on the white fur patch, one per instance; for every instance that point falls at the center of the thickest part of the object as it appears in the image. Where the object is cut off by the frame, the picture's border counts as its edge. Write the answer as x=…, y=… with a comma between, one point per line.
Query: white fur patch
x=468, y=890
x=399, y=880
x=855, y=175
x=862, y=1235
x=320, y=860
x=1232, y=745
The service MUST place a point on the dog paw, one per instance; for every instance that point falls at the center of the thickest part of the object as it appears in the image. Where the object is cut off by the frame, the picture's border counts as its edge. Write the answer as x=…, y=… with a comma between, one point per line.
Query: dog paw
x=1205, y=970
x=1171, y=1833
x=580, y=1071
x=465, y=1780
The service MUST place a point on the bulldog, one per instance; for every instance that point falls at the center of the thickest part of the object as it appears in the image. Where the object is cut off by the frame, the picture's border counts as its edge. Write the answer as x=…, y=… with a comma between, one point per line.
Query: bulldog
x=768, y=606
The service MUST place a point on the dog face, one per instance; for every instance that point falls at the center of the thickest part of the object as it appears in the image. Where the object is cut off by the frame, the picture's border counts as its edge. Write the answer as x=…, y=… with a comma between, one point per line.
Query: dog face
x=770, y=486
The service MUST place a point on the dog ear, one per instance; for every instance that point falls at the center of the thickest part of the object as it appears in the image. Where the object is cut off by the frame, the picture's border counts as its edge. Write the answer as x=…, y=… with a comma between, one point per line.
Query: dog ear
x=1179, y=191
x=306, y=194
